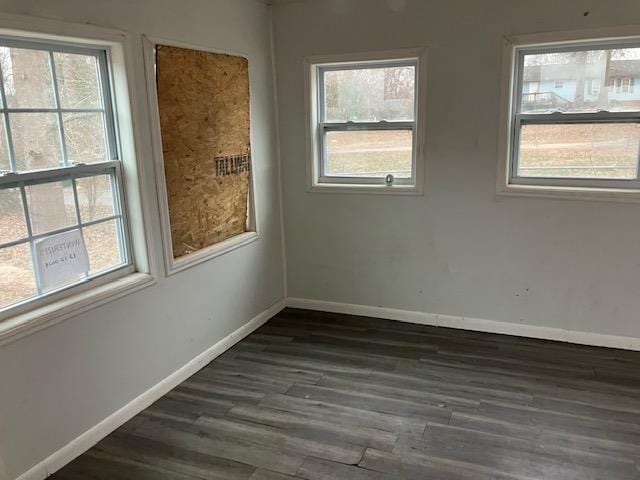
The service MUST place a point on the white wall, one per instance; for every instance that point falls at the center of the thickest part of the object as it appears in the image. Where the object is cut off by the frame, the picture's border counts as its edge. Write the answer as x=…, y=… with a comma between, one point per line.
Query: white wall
x=457, y=250
x=58, y=382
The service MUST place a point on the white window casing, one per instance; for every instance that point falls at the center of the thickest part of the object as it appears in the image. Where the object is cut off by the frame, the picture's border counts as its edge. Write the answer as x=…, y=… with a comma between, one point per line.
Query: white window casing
x=512, y=119
x=175, y=265
x=317, y=128
x=122, y=167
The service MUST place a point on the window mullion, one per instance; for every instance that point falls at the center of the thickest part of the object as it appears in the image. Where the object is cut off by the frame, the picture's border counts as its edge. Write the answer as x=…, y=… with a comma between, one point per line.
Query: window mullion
x=595, y=117
x=56, y=93
x=53, y=174
x=32, y=247
x=76, y=202
x=108, y=118
x=124, y=247
x=351, y=126
x=638, y=169
x=7, y=126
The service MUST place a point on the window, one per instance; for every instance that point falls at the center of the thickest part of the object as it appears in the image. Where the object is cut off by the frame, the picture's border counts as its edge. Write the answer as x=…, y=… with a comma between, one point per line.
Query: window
x=559, y=84
x=365, y=123
x=61, y=184
x=586, y=137
x=623, y=85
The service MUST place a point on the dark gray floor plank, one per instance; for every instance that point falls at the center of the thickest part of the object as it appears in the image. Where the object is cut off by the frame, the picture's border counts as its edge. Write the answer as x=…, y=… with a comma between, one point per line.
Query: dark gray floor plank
x=450, y=388
x=261, y=383
x=261, y=474
x=318, y=469
x=221, y=391
x=513, y=455
x=311, y=364
x=172, y=458
x=307, y=426
x=188, y=407
x=555, y=440
x=375, y=403
x=334, y=356
x=555, y=421
x=411, y=465
x=95, y=465
x=338, y=451
x=208, y=441
x=346, y=415
x=587, y=407
x=264, y=371
x=374, y=386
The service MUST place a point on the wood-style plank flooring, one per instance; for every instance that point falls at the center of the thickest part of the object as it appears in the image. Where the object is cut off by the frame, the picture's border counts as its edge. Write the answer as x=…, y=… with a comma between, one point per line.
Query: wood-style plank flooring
x=321, y=396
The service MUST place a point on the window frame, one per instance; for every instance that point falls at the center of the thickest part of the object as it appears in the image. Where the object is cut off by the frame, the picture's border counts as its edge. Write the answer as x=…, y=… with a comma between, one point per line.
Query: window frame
x=253, y=233
x=325, y=127
x=508, y=183
x=68, y=170
x=315, y=67
x=33, y=314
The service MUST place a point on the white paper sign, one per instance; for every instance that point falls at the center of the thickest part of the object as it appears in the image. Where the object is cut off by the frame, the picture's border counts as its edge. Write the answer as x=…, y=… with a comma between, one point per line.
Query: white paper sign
x=61, y=259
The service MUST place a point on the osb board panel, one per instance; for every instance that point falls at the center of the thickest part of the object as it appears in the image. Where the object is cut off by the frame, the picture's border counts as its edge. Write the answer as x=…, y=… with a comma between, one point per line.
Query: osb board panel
x=203, y=99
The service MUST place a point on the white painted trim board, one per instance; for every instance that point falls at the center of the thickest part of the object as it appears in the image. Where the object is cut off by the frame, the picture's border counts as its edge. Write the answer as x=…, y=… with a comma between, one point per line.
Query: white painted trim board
x=470, y=323
x=85, y=441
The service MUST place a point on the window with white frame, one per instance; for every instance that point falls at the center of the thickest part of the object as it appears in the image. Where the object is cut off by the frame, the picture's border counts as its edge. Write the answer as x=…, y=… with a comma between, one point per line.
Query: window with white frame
x=588, y=135
x=365, y=123
x=61, y=180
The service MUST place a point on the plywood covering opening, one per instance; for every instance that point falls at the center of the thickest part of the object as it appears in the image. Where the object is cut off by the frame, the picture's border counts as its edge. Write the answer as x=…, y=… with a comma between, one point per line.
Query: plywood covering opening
x=203, y=102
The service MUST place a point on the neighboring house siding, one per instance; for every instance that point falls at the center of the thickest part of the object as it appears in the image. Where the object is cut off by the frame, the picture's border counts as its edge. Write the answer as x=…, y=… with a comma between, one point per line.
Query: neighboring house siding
x=567, y=90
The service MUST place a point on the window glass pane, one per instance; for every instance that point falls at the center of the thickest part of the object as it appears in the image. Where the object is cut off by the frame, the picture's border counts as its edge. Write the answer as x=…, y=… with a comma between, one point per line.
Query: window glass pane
x=95, y=197
x=17, y=281
x=581, y=81
x=36, y=140
x=369, y=95
x=103, y=245
x=51, y=206
x=369, y=153
x=84, y=137
x=5, y=163
x=594, y=150
x=77, y=77
x=12, y=223
x=27, y=78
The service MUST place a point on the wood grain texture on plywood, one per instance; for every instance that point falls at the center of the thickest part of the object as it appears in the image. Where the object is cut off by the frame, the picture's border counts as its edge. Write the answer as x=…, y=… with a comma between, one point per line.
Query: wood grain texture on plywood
x=203, y=101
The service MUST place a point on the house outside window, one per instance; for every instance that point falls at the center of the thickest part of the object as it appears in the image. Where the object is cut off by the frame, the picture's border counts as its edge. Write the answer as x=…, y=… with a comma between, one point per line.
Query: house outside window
x=624, y=85
x=584, y=140
x=594, y=87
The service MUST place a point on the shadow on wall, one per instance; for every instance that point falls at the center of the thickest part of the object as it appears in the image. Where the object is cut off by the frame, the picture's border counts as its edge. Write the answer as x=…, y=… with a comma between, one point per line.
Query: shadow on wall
x=3, y=471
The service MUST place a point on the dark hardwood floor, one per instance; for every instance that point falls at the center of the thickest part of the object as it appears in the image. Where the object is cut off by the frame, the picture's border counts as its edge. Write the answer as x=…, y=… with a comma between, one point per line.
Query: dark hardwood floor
x=322, y=396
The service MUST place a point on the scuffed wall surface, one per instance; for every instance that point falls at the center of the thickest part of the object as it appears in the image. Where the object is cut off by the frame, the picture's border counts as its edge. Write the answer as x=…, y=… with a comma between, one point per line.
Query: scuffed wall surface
x=459, y=249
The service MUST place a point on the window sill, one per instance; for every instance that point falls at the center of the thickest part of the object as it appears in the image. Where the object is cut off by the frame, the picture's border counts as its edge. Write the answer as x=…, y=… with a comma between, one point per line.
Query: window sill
x=365, y=189
x=32, y=321
x=226, y=246
x=571, y=193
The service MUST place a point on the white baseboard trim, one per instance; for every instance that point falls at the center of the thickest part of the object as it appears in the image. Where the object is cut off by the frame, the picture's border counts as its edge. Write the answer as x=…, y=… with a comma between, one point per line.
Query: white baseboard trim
x=96, y=433
x=469, y=323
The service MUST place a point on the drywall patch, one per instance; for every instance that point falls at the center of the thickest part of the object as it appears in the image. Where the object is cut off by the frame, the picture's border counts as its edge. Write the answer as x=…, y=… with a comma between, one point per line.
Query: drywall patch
x=203, y=101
